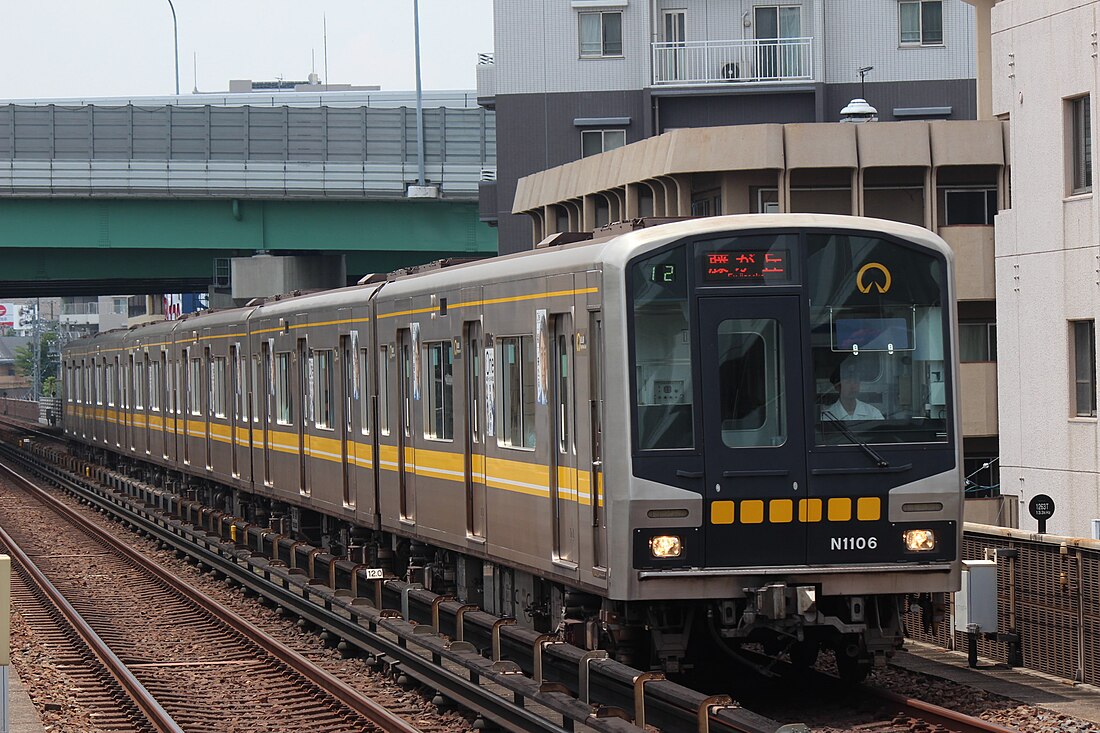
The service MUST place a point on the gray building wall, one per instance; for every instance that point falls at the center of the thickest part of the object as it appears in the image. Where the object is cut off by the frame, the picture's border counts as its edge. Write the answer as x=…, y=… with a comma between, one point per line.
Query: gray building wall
x=541, y=86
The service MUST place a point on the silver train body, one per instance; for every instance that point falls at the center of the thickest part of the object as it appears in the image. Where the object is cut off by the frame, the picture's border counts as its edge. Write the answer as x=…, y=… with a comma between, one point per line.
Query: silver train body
x=734, y=430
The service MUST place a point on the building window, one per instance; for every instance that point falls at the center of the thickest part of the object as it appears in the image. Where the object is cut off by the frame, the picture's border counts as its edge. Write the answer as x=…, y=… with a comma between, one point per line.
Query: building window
x=1084, y=367
x=601, y=34
x=440, y=392
x=977, y=342
x=1081, y=144
x=517, y=387
x=594, y=142
x=921, y=22
x=969, y=206
x=120, y=306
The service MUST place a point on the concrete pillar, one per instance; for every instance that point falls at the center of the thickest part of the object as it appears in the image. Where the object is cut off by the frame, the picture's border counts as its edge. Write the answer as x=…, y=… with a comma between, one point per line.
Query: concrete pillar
x=983, y=31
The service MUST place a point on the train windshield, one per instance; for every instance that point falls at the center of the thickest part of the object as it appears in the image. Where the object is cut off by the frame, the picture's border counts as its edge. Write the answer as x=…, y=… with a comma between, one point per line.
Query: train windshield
x=878, y=341
x=662, y=356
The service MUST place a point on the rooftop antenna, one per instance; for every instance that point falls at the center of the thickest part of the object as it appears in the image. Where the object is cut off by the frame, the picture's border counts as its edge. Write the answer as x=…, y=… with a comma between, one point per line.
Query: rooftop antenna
x=862, y=73
x=195, y=72
x=324, y=32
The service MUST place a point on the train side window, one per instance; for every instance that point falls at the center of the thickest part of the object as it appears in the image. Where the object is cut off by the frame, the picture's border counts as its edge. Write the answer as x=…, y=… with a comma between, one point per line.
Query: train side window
x=283, y=414
x=324, y=395
x=109, y=374
x=364, y=391
x=440, y=392
x=140, y=384
x=217, y=386
x=194, y=387
x=384, y=389
x=154, y=386
x=517, y=386
x=256, y=391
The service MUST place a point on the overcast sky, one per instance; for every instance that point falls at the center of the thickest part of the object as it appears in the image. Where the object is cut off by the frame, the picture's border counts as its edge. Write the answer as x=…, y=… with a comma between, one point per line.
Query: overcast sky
x=85, y=48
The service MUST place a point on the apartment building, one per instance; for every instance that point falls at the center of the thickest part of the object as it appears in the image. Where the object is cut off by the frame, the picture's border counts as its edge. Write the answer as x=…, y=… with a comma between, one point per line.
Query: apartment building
x=1044, y=64
x=578, y=78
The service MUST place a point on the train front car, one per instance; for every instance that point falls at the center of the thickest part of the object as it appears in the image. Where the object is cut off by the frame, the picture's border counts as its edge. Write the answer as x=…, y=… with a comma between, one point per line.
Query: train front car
x=793, y=448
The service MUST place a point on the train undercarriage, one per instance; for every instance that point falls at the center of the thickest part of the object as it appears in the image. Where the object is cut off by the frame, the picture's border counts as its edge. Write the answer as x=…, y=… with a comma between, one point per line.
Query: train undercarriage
x=776, y=621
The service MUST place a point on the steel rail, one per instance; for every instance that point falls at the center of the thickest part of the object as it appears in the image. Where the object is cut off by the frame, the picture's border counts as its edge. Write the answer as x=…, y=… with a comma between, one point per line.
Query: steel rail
x=157, y=716
x=937, y=715
x=336, y=687
x=664, y=704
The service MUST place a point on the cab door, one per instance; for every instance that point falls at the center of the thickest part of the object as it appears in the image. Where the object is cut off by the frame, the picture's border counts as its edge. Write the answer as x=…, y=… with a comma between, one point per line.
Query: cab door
x=755, y=465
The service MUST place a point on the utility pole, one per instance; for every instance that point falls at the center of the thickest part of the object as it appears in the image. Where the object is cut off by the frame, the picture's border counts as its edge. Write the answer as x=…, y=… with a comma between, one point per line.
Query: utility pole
x=36, y=356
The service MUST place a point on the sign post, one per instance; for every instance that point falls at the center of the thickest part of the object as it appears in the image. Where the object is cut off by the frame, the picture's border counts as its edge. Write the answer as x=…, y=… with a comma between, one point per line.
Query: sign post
x=5, y=641
x=1041, y=508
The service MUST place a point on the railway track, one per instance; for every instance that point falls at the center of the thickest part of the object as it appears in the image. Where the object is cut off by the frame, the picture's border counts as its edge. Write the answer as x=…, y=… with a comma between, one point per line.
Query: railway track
x=423, y=632
x=166, y=657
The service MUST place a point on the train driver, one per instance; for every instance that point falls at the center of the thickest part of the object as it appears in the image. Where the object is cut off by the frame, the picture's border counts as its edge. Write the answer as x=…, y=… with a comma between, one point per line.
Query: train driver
x=848, y=406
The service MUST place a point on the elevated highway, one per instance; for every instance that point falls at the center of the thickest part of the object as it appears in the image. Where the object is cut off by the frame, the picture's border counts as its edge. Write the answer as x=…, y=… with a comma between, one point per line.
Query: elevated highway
x=142, y=196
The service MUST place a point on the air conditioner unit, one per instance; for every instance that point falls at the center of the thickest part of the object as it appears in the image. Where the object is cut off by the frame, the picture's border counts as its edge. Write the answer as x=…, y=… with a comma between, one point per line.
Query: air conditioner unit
x=732, y=70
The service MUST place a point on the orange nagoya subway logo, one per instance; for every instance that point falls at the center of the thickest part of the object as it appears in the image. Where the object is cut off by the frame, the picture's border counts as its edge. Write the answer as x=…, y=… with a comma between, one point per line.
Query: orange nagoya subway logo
x=873, y=275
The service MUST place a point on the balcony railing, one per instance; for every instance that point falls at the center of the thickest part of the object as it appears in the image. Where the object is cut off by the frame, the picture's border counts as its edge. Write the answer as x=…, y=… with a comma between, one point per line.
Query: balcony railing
x=732, y=62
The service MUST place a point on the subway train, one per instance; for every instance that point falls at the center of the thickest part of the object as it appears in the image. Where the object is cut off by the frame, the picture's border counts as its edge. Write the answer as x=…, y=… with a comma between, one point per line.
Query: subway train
x=672, y=441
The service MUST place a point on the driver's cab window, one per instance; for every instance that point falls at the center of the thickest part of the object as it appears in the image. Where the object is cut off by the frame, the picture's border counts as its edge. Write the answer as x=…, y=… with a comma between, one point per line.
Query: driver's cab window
x=878, y=342
x=664, y=393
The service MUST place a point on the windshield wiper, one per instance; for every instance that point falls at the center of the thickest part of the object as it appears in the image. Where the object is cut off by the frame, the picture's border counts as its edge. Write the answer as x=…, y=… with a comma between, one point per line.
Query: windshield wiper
x=847, y=433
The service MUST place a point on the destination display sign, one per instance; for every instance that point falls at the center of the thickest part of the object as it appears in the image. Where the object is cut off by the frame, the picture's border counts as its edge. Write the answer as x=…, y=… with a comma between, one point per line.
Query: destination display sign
x=746, y=267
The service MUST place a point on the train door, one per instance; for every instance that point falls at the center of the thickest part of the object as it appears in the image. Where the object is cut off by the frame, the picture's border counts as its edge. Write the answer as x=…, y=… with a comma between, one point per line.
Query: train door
x=595, y=410
x=350, y=398
x=755, y=465
x=305, y=402
x=564, y=496
x=131, y=401
x=161, y=385
x=236, y=370
x=268, y=372
x=186, y=401
x=208, y=408
x=406, y=384
x=475, y=430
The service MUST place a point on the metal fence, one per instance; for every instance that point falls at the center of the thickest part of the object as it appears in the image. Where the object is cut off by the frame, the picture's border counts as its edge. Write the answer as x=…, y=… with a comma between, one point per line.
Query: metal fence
x=1049, y=594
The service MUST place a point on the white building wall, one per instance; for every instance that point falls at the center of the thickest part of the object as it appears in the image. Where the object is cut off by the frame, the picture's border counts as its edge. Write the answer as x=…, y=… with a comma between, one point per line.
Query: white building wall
x=537, y=48
x=1047, y=258
x=866, y=33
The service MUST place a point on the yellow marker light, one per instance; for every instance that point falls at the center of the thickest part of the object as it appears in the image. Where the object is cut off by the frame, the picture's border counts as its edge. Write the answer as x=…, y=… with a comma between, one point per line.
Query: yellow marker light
x=919, y=540
x=665, y=545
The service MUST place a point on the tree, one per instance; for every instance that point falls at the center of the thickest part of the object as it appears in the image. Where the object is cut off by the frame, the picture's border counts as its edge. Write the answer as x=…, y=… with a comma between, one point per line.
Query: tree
x=24, y=357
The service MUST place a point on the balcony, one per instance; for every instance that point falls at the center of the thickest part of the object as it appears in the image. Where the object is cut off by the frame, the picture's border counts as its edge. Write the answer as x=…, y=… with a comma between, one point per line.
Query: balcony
x=751, y=61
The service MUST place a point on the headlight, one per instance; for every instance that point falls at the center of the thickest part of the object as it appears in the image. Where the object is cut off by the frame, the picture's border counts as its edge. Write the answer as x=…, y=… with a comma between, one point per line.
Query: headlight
x=665, y=545
x=919, y=540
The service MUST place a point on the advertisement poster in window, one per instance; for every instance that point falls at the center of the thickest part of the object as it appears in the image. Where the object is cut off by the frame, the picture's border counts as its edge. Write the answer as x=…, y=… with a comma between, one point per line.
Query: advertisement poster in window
x=414, y=329
x=490, y=391
x=542, y=358
x=311, y=380
x=270, y=369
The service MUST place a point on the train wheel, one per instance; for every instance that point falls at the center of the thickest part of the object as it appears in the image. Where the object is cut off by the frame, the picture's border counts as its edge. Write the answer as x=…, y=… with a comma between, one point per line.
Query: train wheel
x=851, y=666
x=804, y=654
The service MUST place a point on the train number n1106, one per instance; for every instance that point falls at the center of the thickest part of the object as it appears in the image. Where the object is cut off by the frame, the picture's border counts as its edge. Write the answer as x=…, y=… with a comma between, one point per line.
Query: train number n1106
x=853, y=543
